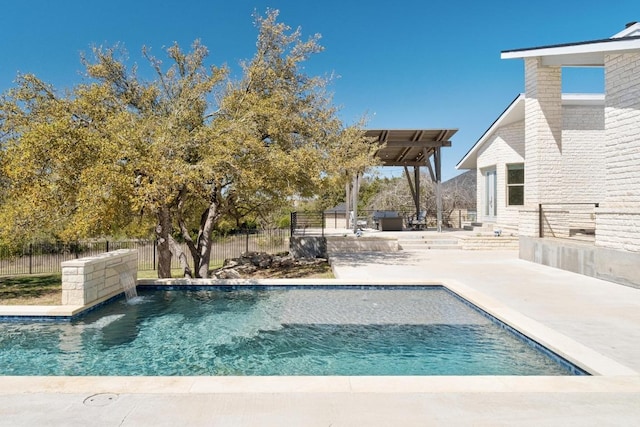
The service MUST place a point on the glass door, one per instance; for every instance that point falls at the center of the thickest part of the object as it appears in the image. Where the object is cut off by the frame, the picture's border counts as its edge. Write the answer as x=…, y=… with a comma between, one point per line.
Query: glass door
x=491, y=193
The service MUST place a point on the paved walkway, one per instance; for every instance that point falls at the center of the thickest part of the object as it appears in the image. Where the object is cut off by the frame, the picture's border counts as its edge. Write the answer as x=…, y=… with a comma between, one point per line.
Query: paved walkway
x=602, y=317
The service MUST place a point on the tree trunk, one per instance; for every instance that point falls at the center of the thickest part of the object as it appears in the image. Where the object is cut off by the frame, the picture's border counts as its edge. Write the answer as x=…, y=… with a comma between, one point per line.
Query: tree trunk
x=163, y=231
x=182, y=258
x=168, y=247
x=200, y=249
x=204, y=239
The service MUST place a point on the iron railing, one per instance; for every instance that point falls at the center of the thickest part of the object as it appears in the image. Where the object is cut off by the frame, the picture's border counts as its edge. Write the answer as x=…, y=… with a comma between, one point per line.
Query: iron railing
x=567, y=220
x=40, y=258
x=314, y=222
x=303, y=223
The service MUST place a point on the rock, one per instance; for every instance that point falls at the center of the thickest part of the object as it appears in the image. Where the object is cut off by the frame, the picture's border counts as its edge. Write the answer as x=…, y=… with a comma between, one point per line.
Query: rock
x=227, y=274
x=230, y=263
x=263, y=265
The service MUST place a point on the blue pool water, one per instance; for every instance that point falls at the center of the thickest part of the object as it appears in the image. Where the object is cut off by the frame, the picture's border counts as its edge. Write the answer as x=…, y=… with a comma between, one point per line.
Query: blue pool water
x=274, y=332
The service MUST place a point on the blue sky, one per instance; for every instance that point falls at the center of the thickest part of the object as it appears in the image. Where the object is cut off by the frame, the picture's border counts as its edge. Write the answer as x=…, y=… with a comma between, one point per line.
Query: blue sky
x=405, y=64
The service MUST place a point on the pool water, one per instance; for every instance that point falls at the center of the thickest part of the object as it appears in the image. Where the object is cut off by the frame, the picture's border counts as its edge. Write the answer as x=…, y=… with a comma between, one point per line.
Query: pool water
x=274, y=332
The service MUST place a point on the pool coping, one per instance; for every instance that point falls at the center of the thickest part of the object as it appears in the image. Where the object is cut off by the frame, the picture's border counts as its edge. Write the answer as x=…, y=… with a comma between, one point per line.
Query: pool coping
x=88, y=385
x=606, y=374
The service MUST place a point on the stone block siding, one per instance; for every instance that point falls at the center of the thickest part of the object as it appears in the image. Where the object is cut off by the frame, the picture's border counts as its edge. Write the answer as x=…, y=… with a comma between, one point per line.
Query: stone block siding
x=337, y=244
x=87, y=281
x=580, y=179
x=505, y=147
x=618, y=224
x=543, y=132
x=618, y=229
x=528, y=225
x=622, y=117
x=583, y=151
x=470, y=243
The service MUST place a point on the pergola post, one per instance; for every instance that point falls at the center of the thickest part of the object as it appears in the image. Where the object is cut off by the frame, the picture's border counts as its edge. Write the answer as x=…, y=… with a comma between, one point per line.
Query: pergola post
x=416, y=181
x=354, y=195
x=438, y=165
x=347, y=203
x=414, y=186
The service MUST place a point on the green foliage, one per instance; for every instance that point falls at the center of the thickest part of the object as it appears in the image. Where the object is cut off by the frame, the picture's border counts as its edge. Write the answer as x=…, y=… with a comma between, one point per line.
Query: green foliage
x=186, y=153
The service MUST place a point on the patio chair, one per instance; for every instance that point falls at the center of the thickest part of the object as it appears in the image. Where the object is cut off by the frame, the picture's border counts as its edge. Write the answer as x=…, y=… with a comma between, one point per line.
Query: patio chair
x=418, y=222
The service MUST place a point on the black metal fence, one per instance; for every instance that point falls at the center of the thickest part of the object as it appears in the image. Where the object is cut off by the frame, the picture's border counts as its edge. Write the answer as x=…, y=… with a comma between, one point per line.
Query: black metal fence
x=316, y=222
x=307, y=223
x=567, y=220
x=39, y=257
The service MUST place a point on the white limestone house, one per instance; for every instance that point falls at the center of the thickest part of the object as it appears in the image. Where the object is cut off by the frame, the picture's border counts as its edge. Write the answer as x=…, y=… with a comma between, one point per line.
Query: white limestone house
x=563, y=170
x=499, y=159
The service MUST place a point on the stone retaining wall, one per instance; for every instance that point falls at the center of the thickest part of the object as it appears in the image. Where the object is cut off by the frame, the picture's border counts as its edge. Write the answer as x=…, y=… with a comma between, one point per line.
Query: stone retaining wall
x=317, y=246
x=87, y=281
x=361, y=244
x=488, y=242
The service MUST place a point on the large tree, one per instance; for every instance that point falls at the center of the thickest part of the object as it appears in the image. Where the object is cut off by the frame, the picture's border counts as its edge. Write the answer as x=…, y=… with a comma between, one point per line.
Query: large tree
x=281, y=134
x=56, y=182
x=182, y=148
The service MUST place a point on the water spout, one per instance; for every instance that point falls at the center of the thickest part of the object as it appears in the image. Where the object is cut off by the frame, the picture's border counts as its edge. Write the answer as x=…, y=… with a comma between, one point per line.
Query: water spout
x=127, y=281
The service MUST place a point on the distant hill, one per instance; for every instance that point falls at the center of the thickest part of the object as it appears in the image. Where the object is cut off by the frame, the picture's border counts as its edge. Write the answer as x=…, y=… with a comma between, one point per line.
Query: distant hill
x=463, y=188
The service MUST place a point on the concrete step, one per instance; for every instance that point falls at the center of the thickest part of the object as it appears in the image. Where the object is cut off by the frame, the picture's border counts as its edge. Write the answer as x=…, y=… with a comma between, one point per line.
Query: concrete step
x=441, y=241
x=479, y=227
x=424, y=247
x=427, y=244
x=489, y=242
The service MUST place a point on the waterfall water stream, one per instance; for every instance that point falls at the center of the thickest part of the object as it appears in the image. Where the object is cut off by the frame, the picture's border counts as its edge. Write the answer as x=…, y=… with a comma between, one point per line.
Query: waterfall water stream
x=127, y=281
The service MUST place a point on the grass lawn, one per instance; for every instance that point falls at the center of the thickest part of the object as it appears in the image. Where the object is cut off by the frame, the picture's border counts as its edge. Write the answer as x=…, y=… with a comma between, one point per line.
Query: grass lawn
x=31, y=290
x=47, y=289
x=44, y=289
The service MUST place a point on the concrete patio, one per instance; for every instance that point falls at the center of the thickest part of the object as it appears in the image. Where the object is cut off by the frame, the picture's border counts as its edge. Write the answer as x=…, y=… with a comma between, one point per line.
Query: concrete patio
x=601, y=318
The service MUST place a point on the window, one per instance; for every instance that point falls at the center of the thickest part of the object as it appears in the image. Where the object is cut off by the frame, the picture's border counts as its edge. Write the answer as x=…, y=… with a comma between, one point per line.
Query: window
x=515, y=184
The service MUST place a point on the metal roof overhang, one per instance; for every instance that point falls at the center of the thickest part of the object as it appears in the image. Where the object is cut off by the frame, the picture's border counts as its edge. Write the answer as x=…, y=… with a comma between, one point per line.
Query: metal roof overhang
x=403, y=147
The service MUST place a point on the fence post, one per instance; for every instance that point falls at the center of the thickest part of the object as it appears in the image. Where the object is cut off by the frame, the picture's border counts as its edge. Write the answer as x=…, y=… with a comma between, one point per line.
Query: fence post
x=30, y=256
x=155, y=244
x=292, y=222
x=246, y=241
x=107, y=246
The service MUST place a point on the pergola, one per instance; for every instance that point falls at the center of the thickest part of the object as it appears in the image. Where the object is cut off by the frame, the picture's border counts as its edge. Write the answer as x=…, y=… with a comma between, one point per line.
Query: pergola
x=410, y=148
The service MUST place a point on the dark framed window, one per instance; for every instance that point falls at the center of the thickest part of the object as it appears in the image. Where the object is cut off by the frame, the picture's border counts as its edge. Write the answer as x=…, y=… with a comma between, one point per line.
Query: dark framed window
x=515, y=184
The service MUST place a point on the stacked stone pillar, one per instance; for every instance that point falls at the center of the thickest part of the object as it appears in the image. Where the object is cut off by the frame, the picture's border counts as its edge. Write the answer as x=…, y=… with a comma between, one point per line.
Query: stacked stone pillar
x=543, y=141
x=618, y=218
x=88, y=281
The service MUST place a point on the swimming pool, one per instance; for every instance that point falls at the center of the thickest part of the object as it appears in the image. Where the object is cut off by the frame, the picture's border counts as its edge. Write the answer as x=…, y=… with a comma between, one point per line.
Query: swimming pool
x=345, y=330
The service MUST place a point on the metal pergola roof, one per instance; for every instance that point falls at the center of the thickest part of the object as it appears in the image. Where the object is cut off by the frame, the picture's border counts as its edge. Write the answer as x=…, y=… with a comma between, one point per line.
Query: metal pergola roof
x=408, y=147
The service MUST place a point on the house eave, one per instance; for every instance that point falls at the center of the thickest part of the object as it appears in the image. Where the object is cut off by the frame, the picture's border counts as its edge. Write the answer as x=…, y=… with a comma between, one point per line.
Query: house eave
x=515, y=112
x=509, y=115
x=582, y=54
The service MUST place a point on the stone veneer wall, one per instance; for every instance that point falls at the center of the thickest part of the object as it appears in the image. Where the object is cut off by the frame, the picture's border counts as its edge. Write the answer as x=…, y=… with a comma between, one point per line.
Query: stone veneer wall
x=543, y=134
x=317, y=246
x=505, y=147
x=618, y=218
x=582, y=152
x=87, y=281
